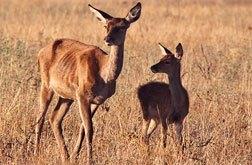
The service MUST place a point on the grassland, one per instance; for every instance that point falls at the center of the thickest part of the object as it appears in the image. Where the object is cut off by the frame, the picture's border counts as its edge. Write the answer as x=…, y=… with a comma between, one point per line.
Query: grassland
x=217, y=71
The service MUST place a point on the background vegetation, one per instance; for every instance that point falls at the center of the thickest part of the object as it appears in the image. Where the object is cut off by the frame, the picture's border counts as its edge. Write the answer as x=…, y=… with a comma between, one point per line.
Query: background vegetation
x=217, y=40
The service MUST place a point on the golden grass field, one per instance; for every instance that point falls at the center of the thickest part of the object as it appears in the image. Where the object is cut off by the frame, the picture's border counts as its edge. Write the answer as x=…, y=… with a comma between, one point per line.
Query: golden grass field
x=216, y=68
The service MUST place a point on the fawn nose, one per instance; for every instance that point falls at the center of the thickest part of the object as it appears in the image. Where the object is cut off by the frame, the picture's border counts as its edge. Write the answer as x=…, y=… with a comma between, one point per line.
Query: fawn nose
x=154, y=68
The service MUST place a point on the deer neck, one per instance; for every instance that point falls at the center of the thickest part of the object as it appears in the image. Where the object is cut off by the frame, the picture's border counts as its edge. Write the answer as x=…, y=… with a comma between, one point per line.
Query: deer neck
x=176, y=89
x=114, y=63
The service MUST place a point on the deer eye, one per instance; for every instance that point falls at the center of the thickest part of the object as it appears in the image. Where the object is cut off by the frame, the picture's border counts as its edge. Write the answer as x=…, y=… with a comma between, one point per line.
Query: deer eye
x=106, y=27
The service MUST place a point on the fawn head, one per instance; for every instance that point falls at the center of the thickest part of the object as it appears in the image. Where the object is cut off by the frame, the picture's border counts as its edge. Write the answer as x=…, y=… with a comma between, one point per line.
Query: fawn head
x=117, y=27
x=170, y=63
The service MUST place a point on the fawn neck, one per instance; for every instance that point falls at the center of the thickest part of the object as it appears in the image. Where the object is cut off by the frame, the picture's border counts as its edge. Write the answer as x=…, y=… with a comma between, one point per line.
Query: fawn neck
x=115, y=63
x=176, y=89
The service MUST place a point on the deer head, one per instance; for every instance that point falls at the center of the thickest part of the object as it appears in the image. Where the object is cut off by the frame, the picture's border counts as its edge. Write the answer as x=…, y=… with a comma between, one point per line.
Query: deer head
x=116, y=27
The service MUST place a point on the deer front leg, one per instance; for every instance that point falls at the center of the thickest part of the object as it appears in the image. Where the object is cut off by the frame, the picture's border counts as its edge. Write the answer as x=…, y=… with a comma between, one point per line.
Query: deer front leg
x=56, y=119
x=86, y=117
x=77, y=147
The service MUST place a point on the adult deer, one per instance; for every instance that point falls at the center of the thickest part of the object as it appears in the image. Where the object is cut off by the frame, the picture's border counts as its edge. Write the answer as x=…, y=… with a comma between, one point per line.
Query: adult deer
x=81, y=72
x=164, y=103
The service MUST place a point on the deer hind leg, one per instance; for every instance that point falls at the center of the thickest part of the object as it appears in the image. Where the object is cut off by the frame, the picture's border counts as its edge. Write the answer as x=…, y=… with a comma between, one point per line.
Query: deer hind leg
x=46, y=95
x=56, y=119
x=86, y=117
x=80, y=139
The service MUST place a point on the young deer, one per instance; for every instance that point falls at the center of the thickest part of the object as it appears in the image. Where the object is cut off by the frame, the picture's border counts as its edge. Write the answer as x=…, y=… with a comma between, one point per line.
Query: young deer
x=81, y=72
x=164, y=103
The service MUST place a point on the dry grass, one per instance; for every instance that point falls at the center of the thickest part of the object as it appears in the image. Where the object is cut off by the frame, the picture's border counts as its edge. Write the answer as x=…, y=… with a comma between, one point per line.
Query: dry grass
x=217, y=39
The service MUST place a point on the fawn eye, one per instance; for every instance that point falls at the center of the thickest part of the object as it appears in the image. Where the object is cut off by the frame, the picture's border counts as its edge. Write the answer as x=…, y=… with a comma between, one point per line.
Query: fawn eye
x=167, y=62
x=116, y=30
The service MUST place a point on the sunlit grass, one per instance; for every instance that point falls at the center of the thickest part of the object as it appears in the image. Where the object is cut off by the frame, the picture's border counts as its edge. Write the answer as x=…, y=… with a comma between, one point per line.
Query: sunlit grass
x=216, y=71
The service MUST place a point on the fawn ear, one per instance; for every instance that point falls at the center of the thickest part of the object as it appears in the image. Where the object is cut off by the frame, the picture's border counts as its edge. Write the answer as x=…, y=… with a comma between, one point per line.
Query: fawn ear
x=134, y=13
x=179, y=51
x=100, y=15
x=164, y=50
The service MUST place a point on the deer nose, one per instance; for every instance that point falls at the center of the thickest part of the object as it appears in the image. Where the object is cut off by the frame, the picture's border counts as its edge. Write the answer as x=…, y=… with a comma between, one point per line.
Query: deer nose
x=108, y=39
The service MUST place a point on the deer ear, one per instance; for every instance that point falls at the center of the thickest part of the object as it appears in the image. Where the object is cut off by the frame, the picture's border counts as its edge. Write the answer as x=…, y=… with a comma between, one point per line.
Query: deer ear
x=179, y=51
x=134, y=13
x=101, y=15
x=164, y=50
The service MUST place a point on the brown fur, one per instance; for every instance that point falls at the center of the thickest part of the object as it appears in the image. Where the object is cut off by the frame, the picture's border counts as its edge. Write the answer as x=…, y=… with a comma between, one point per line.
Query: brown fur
x=81, y=72
x=165, y=103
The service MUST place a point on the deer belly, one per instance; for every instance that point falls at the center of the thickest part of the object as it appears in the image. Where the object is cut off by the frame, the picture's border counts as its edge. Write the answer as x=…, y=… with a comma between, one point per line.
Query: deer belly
x=63, y=90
